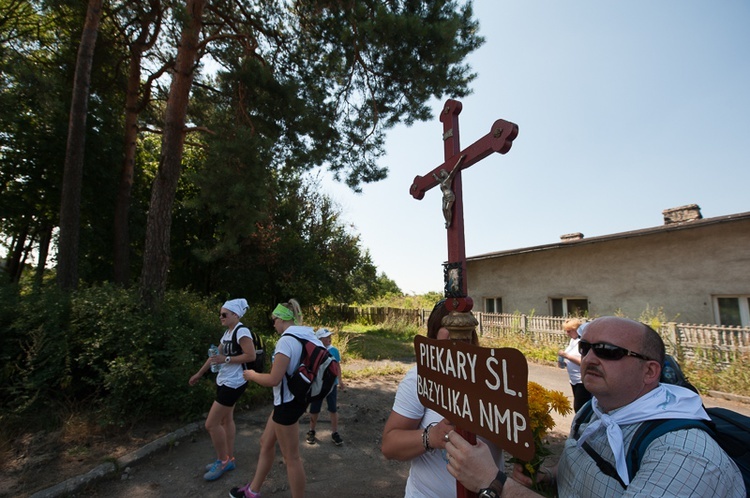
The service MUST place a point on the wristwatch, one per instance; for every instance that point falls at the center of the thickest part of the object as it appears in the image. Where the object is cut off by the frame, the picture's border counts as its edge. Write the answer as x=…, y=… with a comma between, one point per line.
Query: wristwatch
x=496, y=487
x=227, y=358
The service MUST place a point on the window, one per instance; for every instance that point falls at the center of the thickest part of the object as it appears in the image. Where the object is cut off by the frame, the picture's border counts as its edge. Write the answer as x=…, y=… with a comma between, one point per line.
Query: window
x=569, y=306
x=493, y=305
x=732, y=310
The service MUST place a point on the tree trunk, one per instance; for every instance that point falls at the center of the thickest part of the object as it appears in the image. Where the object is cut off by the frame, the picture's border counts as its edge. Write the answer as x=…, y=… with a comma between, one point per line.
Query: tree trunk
x=45, y=237
x=15, y=266
x=122, y=208
x=158, y=227
x=70, y=205
x=150, y=25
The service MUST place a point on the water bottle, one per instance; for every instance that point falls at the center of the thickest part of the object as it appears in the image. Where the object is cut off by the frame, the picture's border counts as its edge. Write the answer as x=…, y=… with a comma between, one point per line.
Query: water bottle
x=213, y=351
x=560, y=361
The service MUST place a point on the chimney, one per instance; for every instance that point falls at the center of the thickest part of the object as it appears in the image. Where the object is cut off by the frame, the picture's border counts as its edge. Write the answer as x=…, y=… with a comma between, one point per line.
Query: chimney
x=681, y=214
x=571, y=237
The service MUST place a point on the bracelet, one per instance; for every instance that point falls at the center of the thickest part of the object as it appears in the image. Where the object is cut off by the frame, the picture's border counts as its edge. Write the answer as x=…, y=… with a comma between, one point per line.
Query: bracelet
x=426, y=437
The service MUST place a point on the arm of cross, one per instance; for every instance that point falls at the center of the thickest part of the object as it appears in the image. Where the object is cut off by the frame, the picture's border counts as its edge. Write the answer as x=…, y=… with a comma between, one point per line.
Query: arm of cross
x=499, y=139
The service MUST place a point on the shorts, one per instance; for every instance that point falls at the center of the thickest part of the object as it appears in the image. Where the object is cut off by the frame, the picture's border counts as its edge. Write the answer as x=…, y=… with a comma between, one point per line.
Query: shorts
x=290, y=412
x=228, y=396
x=330, y=401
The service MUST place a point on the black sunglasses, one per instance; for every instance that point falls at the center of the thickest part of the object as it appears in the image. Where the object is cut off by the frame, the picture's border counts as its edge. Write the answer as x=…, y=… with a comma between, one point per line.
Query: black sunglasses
x=223, y=315
x=607, y=351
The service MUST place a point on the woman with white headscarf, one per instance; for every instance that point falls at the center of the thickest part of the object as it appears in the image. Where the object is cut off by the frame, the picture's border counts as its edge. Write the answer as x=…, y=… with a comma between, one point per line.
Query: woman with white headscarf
x=230, y=384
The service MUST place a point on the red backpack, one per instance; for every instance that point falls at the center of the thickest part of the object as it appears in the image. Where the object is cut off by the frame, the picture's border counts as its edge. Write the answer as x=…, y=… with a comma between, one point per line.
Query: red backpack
x=316, y=374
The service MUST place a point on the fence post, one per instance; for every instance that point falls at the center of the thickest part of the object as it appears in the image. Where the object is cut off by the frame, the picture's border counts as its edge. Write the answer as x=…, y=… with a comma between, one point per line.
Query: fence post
x=673, y=339
x=524, y=324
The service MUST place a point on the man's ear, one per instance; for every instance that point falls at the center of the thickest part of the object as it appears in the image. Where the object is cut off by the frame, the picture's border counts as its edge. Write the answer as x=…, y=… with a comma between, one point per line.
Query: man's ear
x=653, y=372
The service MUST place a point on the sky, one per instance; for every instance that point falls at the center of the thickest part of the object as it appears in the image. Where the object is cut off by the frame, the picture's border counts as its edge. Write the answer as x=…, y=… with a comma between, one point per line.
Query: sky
x=624, y=109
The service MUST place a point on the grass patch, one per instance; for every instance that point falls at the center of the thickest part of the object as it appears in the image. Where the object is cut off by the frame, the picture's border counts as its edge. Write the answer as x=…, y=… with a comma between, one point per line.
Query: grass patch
x=388, y=341
x=393, y=340
x=377, y=371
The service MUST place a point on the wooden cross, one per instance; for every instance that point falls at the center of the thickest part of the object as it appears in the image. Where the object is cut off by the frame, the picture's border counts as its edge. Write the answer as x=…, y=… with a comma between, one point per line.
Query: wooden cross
x=448, y=175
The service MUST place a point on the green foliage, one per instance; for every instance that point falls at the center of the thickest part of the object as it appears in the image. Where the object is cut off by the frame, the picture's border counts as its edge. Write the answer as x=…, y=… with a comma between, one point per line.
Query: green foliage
x=655, y=317
x=397, y=300
x=38, y=365
x=733, y=379
x=97, y=347
x=319, y=89
x=385, y=341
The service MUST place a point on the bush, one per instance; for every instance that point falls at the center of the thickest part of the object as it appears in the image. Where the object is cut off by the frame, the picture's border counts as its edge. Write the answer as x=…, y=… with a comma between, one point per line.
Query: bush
x=97, y=348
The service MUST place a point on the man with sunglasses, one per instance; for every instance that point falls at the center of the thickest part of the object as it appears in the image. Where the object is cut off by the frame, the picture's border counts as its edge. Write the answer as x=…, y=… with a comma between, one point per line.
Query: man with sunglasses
x=621, y=362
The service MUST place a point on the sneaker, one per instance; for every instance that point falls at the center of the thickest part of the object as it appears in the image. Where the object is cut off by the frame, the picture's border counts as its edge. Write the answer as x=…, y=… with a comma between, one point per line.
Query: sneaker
x=243, y=492
x=337, y=439
x=310, y=437
x=218, y=469
x=230, y=466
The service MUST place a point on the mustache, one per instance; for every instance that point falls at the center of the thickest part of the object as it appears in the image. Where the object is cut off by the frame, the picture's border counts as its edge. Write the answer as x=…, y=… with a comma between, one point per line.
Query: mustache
x=592, y=369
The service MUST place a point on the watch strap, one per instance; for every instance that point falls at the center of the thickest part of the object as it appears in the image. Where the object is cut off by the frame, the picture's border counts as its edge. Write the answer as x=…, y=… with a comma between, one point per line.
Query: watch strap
x=495, y=488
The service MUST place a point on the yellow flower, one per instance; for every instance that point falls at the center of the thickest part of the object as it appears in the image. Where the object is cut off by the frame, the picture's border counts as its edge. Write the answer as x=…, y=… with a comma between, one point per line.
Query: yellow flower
x=542, y=402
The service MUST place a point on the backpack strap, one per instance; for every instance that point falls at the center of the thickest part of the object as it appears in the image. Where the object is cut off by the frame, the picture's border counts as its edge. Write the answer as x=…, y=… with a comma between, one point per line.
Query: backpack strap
x=301, y=341
x=606, y=467
x=643, y=437
x=237, y=347
x=583, y=416
x=652, y=429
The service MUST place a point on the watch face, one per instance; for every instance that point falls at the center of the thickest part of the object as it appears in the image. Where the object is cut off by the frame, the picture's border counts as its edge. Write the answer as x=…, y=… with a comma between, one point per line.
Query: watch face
x=488, y=493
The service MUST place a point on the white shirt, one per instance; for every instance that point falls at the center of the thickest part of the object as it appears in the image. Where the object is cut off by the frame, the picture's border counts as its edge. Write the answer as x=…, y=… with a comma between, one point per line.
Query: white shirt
x=428, y=475
x=230, y=374
x=574, y=371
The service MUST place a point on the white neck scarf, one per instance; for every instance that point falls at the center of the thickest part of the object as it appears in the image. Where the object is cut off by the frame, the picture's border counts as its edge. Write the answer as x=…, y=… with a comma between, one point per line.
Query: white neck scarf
x=666, y=401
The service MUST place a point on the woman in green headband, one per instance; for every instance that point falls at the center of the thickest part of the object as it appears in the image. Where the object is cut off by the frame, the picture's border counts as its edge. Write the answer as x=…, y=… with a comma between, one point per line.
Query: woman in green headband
x=283, y=424
x=285, y=314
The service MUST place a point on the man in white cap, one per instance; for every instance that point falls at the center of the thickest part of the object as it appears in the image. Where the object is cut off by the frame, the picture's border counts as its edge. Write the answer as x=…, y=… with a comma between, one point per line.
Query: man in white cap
x=325, y=337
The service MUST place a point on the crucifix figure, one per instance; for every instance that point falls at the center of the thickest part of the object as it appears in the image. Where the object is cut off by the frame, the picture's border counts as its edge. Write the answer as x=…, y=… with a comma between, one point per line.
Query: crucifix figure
x=448, y=176
x=446, y=185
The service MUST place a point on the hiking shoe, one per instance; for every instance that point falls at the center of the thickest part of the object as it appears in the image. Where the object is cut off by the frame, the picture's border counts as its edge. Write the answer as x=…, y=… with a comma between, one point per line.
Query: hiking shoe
x=310, y=437
x=230, y=466
x=337, y=439
x=218, y=469
x=243, y=492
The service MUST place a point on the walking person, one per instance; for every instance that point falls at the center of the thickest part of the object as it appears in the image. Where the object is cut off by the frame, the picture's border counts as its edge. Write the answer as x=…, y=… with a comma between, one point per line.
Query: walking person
x=572, y=359
x=282, y=426
x=331, y=400
x=230, y=385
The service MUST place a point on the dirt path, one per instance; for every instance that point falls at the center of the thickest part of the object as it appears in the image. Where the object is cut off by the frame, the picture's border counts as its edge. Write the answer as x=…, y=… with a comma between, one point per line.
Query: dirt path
x=356, y=468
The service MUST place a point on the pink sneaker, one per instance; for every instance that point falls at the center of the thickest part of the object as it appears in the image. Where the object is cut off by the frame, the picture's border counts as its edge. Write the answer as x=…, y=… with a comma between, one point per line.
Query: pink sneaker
x=243, y=492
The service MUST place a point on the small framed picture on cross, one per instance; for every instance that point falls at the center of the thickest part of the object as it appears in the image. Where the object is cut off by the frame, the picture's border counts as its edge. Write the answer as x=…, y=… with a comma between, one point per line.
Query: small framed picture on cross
x=453, y=276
